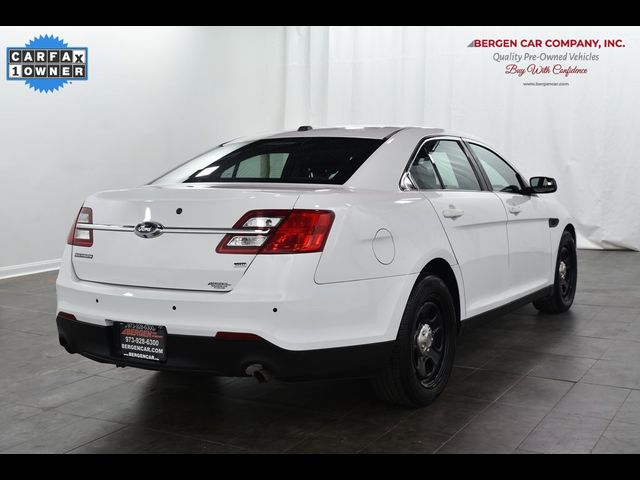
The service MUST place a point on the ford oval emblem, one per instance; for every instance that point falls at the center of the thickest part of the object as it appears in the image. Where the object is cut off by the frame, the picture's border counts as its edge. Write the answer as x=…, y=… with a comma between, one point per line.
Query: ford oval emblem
x=148, y=229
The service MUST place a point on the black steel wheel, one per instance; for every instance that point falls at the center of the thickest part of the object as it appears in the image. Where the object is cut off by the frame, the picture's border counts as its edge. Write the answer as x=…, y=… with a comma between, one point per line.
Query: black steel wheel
x=423, y=356
x=566, y=278
x=567, y=273
x=428, y=342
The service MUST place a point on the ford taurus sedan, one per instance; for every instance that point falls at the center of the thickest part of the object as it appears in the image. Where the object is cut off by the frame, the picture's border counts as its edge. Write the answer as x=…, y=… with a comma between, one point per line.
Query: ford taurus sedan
x=312, y=254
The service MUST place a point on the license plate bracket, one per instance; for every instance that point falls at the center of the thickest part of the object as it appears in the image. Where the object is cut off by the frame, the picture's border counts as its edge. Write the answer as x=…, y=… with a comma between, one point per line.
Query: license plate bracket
x=139, y=341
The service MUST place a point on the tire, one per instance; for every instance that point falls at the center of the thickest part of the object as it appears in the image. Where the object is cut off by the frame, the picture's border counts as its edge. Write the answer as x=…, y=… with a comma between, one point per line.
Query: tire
x=566, y=278
x=422, y=358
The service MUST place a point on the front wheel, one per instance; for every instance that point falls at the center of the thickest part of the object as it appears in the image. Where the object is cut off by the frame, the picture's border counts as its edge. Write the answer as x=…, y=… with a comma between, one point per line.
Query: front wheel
x=423, y=356
x=566, y=278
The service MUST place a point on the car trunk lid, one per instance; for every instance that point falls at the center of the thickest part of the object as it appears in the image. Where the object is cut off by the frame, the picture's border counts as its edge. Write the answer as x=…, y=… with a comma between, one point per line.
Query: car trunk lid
x=183, y=256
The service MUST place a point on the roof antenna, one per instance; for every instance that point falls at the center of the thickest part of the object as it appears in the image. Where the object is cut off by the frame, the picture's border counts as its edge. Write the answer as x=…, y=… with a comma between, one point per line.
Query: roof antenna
x=305, y=128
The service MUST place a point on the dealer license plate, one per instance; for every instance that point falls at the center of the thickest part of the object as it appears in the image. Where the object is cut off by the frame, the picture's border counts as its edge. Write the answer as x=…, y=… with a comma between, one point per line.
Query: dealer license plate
x=143, y=342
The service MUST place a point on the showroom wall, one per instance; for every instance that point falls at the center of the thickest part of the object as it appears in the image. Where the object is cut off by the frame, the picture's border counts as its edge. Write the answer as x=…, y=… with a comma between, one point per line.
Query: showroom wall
x=584, y=133
x=155, y=97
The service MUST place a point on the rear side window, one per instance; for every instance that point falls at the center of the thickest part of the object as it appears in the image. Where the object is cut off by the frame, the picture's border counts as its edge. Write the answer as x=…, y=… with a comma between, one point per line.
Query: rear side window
x=295, y=160
x=443, y=165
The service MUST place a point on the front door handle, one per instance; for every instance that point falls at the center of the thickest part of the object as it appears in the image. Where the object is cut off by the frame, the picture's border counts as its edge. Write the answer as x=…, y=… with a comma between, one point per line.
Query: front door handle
x=515, y=210
x=452, y=213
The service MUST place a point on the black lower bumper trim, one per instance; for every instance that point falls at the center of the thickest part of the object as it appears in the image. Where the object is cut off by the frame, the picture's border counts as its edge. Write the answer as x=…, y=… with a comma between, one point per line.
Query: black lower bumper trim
x=227, y=357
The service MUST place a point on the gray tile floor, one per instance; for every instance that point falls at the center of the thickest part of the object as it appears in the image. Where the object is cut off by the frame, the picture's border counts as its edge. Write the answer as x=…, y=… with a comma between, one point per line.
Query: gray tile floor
x=524, y=383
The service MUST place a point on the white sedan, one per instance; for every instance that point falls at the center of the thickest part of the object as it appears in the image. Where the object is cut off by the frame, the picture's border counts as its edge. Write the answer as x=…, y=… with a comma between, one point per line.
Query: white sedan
x=315, y=253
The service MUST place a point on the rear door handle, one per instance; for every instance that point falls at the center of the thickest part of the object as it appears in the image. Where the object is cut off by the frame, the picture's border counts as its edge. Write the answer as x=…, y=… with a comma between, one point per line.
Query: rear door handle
x=515, y=210
x=452, y=213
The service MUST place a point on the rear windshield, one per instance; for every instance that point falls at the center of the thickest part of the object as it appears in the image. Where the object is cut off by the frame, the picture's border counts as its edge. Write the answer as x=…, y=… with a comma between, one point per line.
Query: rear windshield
x=293, y=160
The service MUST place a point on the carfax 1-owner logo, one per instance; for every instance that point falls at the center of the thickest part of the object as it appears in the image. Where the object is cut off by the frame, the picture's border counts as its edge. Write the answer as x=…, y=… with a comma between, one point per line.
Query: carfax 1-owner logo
x=47, y=63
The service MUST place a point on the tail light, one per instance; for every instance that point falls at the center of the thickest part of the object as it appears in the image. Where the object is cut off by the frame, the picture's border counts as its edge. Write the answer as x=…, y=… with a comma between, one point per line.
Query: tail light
x=282, y=231
x=78, y=236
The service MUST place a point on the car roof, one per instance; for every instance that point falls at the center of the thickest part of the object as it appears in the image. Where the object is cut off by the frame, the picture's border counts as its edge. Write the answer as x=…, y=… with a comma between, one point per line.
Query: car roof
x=383, y=168
x=373, y=132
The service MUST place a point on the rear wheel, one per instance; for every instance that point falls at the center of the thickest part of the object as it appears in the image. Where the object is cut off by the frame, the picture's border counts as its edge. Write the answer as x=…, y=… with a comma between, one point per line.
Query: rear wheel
x=566, y=278
x=422, y=360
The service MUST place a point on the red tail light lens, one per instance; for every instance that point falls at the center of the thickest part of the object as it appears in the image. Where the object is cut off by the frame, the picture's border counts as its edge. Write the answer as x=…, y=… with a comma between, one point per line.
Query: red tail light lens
x=282, y=231
x=78, y=236
x=303, y=231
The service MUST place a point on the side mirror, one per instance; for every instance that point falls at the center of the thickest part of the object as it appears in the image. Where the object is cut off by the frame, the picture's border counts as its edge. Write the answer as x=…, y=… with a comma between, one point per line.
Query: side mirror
x=543, y=185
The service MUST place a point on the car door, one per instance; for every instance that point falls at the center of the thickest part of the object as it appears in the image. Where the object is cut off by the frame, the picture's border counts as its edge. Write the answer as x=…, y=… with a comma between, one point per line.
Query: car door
x=473, y=218
x=528, y=226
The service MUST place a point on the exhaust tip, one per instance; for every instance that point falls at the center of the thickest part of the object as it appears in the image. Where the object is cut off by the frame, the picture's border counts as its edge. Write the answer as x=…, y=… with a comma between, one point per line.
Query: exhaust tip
x=258, y=372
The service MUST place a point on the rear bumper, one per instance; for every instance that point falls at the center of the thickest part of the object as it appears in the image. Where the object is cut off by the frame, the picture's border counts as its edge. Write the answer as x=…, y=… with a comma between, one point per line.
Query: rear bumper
x=227, y=357
x=276, y=299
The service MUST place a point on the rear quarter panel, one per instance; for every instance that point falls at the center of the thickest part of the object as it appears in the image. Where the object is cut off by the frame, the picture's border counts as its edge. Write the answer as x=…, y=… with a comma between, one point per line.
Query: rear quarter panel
x=417, y=235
